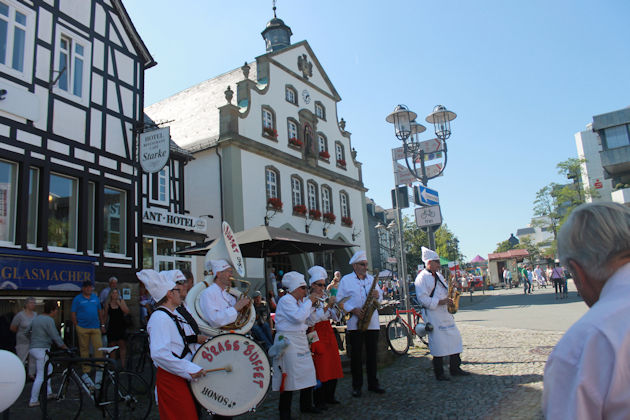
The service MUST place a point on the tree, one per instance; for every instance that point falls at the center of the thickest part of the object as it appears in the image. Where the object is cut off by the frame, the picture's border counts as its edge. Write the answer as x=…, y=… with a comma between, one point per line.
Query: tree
x=447, y=244
x=504, y=246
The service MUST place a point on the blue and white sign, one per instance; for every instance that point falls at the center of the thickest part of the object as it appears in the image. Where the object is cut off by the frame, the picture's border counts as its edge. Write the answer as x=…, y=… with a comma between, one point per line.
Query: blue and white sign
x=428, y=197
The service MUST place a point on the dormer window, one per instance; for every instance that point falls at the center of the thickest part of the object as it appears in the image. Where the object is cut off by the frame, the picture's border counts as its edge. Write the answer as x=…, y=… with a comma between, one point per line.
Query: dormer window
x=320, y=111
x=291, y=95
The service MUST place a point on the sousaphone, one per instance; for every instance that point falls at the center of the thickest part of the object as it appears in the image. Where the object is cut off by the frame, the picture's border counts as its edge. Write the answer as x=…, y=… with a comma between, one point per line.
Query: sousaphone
x=225, y=248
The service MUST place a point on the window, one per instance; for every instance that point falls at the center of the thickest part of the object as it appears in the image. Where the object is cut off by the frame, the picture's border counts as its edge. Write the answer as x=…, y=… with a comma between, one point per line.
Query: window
x=160, y=186
x=147, y=253
x=8, y=190
x=326, y=203
x=322, y=143
x=16, y=39
x=617, y=136
x=339, y=152
x=62, y=211
x=267, y=119
x=291, y=95
x=72, y=66
x=160, y=254
x=269, y=123
x=292, y=130
x=33, y=205
x=114, y=211
x=297, y=191
x=312, y=196
x=272, y=183
x=320, y=111
x=343, y=204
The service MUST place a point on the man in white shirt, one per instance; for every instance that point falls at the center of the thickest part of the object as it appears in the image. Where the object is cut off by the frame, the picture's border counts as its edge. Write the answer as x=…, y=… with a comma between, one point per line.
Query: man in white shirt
x=444, y=339
x=219, y=307
x=356, y=285
x=169, y=350
x=586, y=376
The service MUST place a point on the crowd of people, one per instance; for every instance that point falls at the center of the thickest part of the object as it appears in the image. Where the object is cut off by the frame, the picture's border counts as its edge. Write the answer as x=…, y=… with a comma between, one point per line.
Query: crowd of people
x=538, y=277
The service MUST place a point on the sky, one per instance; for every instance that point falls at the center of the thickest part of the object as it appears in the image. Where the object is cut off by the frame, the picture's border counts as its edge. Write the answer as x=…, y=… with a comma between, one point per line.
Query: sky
x=522, y=76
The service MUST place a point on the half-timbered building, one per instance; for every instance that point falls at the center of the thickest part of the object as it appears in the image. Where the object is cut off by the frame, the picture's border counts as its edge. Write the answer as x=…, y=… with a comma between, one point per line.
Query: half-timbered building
x=71, y=96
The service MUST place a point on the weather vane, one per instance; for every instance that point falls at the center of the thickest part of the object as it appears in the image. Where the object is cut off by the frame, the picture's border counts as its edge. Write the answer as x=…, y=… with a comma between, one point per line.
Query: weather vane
x=274, y=8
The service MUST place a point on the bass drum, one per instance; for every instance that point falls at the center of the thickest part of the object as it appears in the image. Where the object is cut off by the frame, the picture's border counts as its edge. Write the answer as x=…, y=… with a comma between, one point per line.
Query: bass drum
x=240, y=376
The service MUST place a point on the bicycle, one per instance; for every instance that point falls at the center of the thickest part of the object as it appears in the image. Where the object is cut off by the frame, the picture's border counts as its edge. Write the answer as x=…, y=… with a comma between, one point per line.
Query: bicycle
x=139, y=356
x=400, y=334
x=122, y=394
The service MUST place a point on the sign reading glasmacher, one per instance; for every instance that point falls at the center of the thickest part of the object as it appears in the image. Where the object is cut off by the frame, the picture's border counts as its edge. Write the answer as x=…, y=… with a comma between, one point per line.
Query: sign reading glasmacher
x=43, y=274
x=154, y=149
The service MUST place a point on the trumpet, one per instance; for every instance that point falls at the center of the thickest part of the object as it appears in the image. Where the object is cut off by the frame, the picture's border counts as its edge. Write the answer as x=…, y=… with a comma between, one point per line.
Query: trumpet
x=336, y=308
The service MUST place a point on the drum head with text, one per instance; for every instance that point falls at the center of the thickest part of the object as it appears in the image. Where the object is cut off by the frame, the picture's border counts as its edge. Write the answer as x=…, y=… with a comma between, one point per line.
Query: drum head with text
x=242, y=379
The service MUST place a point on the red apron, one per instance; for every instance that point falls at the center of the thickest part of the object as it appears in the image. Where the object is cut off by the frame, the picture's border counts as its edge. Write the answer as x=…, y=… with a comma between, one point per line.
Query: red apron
x=325, y=353
x=175, y=402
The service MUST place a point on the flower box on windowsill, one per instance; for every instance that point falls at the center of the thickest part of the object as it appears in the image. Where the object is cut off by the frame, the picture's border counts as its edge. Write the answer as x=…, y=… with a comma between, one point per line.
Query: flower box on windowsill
x=295, y=142
x=299, y=210
x=329, y=217
x=274, y=204
x=270, y=133
x=346, y=221
x=341, y=163
x=324, y=155
x=314, y=214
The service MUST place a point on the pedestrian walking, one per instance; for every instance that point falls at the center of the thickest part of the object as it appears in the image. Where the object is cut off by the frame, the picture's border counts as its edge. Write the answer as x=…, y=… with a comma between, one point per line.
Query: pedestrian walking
x=508, y=278
x=586, y=375
x=43, y=333
x=21, y=325
x=557, y=277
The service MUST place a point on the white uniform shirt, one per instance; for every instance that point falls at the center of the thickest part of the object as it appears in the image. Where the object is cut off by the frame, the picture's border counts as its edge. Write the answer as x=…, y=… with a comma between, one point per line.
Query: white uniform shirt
x=538, y=274
x=351, y=285
x=291, y=314
x=587, y=374
x=424, y=285
x=217, y=306
x=164, y=340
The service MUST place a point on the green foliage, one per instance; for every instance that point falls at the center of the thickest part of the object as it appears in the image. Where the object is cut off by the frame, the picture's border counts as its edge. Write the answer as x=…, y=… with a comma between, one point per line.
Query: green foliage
x=504, y=246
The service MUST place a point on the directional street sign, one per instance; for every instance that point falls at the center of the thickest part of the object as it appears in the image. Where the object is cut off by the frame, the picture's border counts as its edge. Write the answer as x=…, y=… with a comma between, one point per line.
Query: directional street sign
x=403, y=176
x=433, y=170
x=429, y=146
x=428, y=216
x=427, y=197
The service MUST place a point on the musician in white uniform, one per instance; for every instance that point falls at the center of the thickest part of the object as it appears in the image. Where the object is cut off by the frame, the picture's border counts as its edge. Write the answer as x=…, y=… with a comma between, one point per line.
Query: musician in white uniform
x=587, y=374
x=294, y=368
x=169, y=351
x=444, y=340
x=219, y=307
x=357, y=285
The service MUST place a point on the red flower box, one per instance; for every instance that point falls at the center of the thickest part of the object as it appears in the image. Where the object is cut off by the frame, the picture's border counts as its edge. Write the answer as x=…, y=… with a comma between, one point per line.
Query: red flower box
x=346, y=221
x=271, y=132
x=295, y=142
x=329, y=217
x=341, y=162
x=324, y=154
x=314, y=214
x=274, y=203
x=300, y=209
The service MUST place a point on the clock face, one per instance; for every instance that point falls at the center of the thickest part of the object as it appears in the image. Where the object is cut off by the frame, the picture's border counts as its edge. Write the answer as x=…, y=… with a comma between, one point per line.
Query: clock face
x=306, y=96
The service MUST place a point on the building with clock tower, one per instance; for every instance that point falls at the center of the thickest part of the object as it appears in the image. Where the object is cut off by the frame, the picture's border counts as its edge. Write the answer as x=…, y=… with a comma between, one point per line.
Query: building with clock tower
x=269, y=148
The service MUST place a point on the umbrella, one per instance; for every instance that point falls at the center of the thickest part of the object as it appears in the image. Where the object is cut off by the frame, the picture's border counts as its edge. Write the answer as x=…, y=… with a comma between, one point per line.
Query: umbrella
x=384, y=274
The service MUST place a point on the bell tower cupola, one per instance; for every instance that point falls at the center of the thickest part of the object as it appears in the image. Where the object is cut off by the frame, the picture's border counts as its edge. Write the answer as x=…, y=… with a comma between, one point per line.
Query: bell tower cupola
x=277, y=35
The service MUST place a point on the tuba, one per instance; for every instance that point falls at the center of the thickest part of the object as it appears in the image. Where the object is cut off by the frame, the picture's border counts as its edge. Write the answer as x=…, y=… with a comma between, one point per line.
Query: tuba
x=454, y=294
x=225, y=247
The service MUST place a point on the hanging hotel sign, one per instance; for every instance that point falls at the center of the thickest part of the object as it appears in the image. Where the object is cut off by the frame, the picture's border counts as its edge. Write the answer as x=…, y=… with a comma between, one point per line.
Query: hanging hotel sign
x=176, y=220
x=154, y=149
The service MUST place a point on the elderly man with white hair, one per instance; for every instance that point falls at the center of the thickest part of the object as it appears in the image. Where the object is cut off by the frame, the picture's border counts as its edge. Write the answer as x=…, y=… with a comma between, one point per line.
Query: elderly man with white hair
x=219, y=307
x=444, y=339
x=587, y=375
x=294, y=369
x=112, y=284
x=356, y=286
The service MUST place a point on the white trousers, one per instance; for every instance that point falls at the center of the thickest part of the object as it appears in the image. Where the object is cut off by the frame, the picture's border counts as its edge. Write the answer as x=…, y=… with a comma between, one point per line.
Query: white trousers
x=40, y=357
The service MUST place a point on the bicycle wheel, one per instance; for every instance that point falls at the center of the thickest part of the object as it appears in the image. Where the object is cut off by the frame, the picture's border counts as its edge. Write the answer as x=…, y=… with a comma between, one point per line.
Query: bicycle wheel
x=398, y=336
x=138, y=358
x=66, y=399
x=135, y=396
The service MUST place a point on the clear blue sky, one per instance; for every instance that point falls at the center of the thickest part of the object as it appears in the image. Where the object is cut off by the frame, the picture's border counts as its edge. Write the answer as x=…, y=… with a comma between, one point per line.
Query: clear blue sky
x=522, y=76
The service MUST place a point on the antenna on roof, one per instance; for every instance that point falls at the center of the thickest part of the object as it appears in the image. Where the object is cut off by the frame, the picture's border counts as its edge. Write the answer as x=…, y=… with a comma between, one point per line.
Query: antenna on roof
x=274, y=8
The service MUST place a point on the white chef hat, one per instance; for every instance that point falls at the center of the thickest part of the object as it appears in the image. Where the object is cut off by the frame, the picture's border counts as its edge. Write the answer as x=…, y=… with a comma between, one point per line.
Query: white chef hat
x=317, y=273
x=174, y=275
x=358, y=257
x=219, y=265
x=292, y=280
x=429, y=255
x=157, y=284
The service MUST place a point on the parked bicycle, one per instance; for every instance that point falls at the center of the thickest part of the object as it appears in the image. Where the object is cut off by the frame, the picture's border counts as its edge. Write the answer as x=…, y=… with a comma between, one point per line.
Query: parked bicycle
x=400, y=334
x=139, y=356
x=121, y=394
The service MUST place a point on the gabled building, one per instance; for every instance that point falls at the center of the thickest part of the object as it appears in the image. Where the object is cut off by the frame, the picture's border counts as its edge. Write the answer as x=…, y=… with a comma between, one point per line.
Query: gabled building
x=269, y=148
x=71, y=95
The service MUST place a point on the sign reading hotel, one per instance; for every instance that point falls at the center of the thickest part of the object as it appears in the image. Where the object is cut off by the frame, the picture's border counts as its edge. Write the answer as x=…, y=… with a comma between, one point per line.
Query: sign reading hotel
x=154, y=149
x=180, y=221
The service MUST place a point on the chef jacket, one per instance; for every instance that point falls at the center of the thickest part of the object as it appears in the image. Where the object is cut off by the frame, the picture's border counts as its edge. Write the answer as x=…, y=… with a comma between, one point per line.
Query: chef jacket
x=217, y=306
x=357, y=289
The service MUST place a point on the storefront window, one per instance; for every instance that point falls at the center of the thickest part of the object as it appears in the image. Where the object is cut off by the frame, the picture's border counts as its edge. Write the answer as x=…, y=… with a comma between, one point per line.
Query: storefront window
x=33, y=201
x=62, y=208
x=114, y=209
x=165, y=257
x=164, y=247
x=147, y=253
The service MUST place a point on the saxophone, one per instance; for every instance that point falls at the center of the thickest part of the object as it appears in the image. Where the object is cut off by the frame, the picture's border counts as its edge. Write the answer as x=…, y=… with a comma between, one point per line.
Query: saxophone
x=454, y=294
x=369, y=307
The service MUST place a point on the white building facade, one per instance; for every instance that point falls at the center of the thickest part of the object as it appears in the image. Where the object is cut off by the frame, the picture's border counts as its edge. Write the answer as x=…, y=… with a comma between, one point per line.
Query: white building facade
x=589, y=147
x=269, y=147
